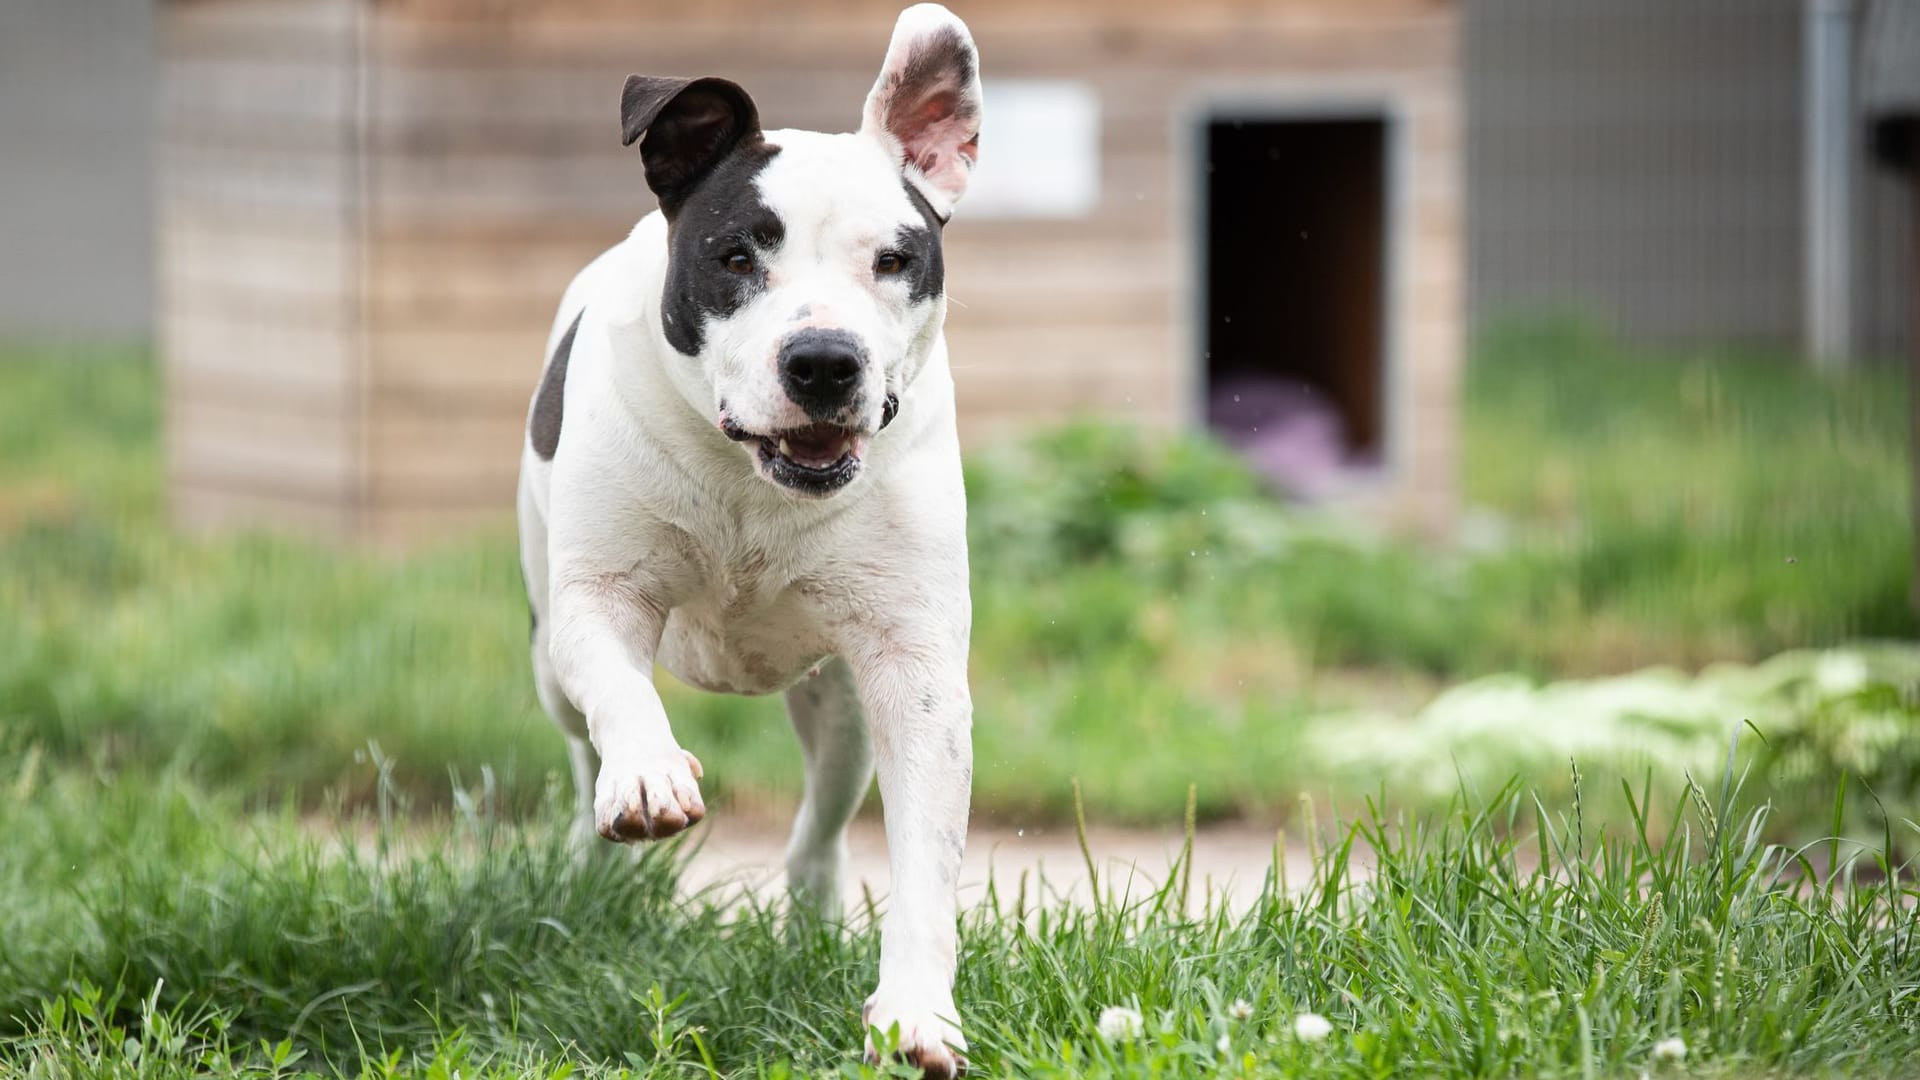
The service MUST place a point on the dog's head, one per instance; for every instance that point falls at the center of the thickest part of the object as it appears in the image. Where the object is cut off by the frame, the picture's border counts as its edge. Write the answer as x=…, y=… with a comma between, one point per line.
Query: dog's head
x=804, y=286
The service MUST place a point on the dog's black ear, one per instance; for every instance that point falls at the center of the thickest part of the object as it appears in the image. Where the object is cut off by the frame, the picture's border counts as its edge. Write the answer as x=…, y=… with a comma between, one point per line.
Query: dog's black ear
x=688, y=126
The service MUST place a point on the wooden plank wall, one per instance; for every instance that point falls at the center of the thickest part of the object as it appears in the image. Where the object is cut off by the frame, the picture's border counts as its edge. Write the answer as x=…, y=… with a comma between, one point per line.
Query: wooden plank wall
x=258, y=262
x=493, y=171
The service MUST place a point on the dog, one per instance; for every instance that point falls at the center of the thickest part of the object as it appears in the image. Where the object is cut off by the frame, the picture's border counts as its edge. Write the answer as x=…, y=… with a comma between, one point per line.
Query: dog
x=741, y=464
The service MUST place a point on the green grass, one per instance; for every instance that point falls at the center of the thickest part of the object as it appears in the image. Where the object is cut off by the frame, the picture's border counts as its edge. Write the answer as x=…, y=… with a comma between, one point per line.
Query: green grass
x=1708, y=507
x=204, y=874
x=1145, y=615
x=144, y=933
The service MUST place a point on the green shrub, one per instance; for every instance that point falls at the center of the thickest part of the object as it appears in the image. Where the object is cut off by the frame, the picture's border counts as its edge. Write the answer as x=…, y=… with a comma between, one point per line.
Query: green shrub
x=1139, y=599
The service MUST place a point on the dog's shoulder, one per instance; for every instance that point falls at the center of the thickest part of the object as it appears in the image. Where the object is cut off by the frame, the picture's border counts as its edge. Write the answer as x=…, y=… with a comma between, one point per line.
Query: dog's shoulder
x=621, y=283
x=611, y=290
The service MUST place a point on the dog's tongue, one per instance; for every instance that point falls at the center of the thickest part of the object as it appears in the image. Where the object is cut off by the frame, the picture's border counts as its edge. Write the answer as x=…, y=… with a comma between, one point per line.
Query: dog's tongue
x=819, y=445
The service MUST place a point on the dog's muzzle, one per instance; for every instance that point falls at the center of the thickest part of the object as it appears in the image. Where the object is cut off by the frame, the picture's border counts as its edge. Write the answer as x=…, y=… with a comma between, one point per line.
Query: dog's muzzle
x=816, y=460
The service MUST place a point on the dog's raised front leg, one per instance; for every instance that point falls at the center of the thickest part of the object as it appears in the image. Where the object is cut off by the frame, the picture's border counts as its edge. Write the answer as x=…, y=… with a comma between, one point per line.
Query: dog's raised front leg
x=826, y=714
x=605, y=636
x=922, y=719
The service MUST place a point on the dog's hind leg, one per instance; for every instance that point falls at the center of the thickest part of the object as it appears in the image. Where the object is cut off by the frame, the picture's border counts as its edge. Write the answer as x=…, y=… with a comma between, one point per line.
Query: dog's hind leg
x=586, y=763
x=826, y=714
x=546, y=684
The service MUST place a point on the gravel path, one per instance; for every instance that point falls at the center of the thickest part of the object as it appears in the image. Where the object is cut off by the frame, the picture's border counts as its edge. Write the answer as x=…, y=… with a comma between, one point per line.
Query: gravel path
x=1232, y=858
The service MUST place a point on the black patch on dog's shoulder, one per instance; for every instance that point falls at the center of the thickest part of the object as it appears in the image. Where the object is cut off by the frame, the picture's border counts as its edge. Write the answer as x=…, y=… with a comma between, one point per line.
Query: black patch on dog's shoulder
x=550, y=402
x=723, y=214
x=926, y=269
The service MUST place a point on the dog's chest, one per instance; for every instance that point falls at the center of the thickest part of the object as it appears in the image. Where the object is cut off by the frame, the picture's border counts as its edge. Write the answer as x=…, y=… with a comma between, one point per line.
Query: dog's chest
x=751, y=629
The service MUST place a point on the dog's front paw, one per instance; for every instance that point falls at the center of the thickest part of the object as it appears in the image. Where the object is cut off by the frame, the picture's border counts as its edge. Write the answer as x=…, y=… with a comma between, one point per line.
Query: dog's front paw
x=929, y=1033
x=643, y=795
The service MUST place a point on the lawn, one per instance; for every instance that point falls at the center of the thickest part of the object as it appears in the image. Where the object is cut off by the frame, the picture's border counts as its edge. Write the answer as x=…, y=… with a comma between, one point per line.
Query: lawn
x=1685, y=572
x=1145, y=617
x=144, y=933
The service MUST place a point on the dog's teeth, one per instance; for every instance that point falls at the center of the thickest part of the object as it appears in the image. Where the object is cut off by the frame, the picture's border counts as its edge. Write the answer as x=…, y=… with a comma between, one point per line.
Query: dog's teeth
x=785, y=450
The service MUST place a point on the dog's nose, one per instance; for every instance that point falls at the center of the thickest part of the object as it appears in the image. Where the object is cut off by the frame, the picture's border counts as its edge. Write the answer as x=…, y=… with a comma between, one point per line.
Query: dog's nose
x=821, y=368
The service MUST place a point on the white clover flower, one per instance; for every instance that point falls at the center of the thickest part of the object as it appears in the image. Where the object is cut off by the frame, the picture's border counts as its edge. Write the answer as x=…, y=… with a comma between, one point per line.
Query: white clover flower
x=1311, y=1027
x=1241, y=1009
x=1120, y=1024
x=1673, y=1049
x=1224, y=1044
x=1837, y=673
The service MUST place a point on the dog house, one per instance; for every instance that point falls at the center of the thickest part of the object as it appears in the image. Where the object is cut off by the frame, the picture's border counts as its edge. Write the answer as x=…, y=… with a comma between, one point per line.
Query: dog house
x=369, y=209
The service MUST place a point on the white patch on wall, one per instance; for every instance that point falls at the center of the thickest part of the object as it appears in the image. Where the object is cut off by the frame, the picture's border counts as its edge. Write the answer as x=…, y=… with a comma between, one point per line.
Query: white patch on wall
x=1039, y=151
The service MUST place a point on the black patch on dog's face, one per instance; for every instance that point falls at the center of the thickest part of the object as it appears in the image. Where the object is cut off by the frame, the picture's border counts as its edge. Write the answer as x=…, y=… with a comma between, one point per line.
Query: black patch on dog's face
x=926, y=270
x=722, y=215
x=549, y=403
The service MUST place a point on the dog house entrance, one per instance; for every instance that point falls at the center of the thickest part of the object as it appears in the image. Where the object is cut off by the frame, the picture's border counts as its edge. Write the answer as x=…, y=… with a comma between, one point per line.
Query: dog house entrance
x=1295, y=277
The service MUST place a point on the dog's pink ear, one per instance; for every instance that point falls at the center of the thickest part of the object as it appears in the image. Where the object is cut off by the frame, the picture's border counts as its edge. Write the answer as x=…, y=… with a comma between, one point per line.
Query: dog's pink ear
x=926, y=104
x=688, y=124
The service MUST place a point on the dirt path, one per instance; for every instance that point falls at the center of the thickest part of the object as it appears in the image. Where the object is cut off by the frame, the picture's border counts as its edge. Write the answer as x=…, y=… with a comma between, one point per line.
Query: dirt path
x=1233, y=859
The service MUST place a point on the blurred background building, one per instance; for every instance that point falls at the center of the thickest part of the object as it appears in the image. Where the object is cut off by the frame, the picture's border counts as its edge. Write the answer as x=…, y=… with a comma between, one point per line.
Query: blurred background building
x=1283, y=216
x=368, y=211
x=1687, y=171
x=79, y=104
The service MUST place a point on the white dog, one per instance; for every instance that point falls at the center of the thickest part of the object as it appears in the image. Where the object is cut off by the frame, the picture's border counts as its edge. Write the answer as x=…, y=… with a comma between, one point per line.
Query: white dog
x=741, y=464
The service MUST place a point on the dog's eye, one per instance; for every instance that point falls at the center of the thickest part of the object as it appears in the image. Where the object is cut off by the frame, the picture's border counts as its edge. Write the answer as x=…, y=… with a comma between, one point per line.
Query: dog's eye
x=738, y=262
x=889, y=263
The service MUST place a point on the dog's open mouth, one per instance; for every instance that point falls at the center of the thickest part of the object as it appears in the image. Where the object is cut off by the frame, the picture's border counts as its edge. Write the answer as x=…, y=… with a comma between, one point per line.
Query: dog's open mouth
x=814, y=460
